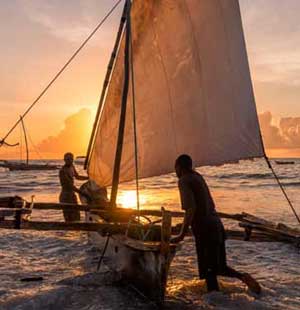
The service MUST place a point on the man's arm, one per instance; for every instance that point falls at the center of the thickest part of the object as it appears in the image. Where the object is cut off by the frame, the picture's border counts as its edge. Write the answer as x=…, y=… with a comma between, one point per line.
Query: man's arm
x=79, y=177
x=187, y=221
x=188, y=204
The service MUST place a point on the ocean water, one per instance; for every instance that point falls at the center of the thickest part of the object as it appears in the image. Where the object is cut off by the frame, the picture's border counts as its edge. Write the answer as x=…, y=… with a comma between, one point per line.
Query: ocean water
x=67, y=260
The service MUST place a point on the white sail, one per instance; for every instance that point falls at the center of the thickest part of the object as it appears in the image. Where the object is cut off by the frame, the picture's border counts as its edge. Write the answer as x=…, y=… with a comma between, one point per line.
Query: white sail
x=193, y=91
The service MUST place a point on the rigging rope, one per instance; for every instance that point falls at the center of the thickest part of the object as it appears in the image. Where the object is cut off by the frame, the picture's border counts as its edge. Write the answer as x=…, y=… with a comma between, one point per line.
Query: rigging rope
x=34, y=147
x=282, y=189
x=62, y=70
x=2, y=142
x=277, y=179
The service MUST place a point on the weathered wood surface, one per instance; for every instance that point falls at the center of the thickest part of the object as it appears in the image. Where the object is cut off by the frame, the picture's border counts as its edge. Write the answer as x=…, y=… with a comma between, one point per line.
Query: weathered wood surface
x=166, y=232
x=270, y=226
x=116, y=229
x=13, y=211
x=255, y=228
x=76, y=226
x=275, y=231
x=12, y=202
x=113, y=212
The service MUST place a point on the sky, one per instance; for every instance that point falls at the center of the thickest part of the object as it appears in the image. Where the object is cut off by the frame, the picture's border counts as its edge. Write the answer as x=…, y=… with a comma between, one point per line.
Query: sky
x=38, y=36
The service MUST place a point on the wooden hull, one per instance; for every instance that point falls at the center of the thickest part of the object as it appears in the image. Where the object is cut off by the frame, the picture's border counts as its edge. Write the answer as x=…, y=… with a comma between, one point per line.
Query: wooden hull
x=139, y=264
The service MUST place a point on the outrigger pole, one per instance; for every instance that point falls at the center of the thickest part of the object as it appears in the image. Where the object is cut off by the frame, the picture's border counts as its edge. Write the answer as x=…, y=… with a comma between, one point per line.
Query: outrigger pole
x=118, y=156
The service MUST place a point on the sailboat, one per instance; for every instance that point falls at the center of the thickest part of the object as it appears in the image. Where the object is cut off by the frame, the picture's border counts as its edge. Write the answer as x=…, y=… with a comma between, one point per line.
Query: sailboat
x=22, y=166
x=178, y=81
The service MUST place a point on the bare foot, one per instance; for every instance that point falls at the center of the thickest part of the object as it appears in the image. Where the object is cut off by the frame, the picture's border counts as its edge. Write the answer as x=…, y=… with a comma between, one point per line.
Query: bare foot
x=252, y=284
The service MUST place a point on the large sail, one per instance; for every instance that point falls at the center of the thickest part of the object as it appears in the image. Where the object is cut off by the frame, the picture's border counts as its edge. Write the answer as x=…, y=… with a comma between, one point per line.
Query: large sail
x=193, y=91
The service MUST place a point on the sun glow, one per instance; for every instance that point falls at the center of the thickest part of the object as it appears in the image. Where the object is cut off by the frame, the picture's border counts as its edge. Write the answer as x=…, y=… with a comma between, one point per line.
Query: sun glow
x=128, y=199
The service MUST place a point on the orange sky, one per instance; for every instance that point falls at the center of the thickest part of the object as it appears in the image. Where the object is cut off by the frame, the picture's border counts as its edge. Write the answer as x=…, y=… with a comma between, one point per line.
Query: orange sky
x=39, y=36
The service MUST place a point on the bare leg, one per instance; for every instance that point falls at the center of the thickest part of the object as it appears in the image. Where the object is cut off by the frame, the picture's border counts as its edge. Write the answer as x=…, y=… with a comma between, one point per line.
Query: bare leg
x=212, y=282
x=252, y=284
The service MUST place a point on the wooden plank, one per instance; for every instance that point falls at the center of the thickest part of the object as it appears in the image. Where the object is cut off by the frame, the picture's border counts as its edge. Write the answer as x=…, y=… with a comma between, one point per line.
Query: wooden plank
x=252, y=218
x=120, y=229
x=101, y=210
x=138, y=245
x=12, y=211
x=11, y=202
x=166, y=231
x=74, y=226
x=61, y=206
x=274, y=233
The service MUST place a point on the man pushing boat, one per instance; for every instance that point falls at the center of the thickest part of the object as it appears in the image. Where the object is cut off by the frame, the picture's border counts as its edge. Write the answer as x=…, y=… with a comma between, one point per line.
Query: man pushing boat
x=67, y=174
x=207, y=227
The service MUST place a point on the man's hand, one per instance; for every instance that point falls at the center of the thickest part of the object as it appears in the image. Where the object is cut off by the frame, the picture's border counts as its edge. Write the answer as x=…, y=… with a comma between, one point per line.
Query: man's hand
x=177, y=239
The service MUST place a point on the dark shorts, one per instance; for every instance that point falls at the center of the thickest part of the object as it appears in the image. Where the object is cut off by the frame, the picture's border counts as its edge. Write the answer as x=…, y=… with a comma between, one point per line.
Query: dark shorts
x=69, y=197
x=210, y=246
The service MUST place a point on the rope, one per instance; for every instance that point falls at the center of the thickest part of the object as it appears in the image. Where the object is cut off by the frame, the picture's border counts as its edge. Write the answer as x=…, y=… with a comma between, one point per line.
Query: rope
x=147, y=299
x=134, y=128
x=25, y=139
x=34, y=147
x=282, y=189
x=21, y=145
x=2, y=142
x=62, y=69
x=103, y=252
x=276, y=177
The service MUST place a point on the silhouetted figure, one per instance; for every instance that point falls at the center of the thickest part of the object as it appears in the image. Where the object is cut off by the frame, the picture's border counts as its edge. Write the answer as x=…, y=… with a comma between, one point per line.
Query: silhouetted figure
x=207, y=227
x=66, y=176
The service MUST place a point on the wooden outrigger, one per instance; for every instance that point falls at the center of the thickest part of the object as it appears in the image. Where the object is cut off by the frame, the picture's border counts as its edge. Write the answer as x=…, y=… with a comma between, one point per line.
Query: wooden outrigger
x=140, y=253
x=120, y=220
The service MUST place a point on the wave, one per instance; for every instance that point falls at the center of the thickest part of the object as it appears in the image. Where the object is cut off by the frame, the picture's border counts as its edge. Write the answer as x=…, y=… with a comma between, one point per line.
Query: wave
x=259, y=176
x=238, y=175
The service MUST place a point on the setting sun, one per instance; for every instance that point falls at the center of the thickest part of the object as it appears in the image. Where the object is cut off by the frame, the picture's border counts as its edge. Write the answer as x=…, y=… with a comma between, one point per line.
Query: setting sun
x=128, y=199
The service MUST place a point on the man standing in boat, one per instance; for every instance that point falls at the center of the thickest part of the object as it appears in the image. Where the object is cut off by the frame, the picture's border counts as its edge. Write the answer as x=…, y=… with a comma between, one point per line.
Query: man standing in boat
x=207, y=227
x=67, y=174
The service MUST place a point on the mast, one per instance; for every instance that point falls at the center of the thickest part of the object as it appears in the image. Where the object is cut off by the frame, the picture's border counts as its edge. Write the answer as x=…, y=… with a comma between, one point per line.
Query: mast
x=106, y=83
x=118, y=155
x=26, y=142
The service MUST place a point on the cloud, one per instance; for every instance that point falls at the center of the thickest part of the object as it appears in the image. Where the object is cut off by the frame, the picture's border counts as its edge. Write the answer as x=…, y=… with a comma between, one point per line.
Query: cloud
x=68, y=20
x=284, y=136
x=74, y=136
x=290, y=128
x=272, y=34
